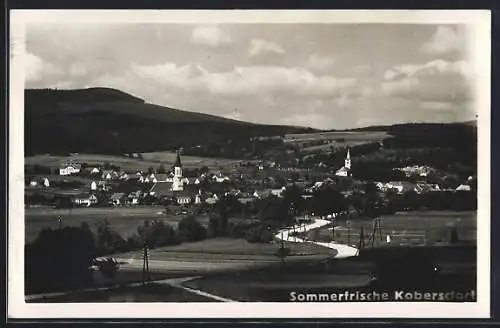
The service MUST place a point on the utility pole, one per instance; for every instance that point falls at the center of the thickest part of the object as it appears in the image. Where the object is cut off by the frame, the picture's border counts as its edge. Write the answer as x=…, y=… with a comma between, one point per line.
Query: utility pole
x=348, y=231
x=333, y=229
x=361, y=238
x=377, y=231
x=145, y=265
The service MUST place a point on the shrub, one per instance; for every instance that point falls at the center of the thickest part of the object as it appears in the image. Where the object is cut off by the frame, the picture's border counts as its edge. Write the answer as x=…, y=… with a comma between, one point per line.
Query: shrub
x=191, y=230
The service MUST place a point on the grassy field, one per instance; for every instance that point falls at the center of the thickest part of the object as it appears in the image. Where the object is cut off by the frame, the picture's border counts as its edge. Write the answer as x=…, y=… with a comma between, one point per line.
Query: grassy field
x=123, y=220
x=406, y=228
x=129, y=164
x=217, y=249
x=342, y=139
x=194, y=161
x=332, y=145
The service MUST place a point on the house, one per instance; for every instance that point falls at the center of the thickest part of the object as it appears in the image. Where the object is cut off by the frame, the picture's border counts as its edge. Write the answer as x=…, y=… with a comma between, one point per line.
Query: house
x=33, y=183
x=183, y=198
x=463, y=187
x=277, y=192
x=46, y=182
x=380, y=186
x=103, y=185
x=220, y=178
x=245, y=200
x=117, y=198
x=422, y=187
x=197, y=199
x=109, y=175
x=124, y=176
x=85, y=200
x=69, y=169
x=422, y=171
x=151, y=178
x=212, y=200
x=399, y=186
x=93, y=185
x=133, y=198
x=95, y=170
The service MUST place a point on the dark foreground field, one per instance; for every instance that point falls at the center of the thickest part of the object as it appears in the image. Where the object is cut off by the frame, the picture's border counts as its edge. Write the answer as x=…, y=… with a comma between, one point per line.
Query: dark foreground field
x=397, y=269
x=148, y=293
x=441, y=271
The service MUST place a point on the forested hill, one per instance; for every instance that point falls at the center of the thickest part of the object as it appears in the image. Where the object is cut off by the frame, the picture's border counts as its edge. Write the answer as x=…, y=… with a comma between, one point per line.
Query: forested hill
x=109, y=121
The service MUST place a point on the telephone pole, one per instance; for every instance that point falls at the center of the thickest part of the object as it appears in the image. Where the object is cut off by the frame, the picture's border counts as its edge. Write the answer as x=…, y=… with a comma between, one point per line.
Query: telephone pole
x=361, y=239
x=348, y=232
x=333, y=229
x=145, y=265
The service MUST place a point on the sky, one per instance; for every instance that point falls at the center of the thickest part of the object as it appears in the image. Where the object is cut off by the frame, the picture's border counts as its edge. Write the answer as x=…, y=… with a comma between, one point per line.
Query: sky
x=326, y=76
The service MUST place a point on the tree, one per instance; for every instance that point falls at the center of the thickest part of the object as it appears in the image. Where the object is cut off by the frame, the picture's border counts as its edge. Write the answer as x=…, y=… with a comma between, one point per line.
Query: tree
x=327, y=200
x=191, y=230
x=150, y=170
x=454, y=236
x=108, y=241
x=59, y=259
x=161, y=169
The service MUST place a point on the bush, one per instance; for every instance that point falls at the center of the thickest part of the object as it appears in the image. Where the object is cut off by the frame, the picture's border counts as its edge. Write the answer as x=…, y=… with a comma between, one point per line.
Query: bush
x=155, y=234
x=108, y=241
x=59, y=259
x=191, y=230
x=259, y=234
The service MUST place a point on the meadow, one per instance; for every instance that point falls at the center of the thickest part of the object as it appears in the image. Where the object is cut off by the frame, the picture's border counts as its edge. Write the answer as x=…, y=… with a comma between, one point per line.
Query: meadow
x=153, y=159
x=354, y=137
x=123, y=220
x=416, y=228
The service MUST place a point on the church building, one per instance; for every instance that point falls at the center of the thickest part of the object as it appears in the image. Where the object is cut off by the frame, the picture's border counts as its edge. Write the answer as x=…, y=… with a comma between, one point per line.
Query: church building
x=177, y=180
x=346, y=169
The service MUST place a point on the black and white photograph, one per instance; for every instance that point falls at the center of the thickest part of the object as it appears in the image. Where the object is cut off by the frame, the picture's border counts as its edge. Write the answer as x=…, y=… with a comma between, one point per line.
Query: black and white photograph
x=318, y=164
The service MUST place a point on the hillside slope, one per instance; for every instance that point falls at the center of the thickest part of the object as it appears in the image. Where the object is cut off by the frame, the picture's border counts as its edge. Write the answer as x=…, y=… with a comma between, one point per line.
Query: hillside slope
x=109, y=121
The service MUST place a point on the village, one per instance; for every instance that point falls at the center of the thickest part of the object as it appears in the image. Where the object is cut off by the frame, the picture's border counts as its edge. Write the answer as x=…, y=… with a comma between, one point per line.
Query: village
x=102, y=184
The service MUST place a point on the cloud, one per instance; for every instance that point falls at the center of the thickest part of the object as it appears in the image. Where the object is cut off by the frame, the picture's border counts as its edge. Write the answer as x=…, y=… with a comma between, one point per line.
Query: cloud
x=36, y=69
x=438, y=80
x=444, y=40
x=434, y=105
x=261, y=46
x=211, y=36
x=77, y=70
x=245, y=80
x=33, y=67
x=320, y=62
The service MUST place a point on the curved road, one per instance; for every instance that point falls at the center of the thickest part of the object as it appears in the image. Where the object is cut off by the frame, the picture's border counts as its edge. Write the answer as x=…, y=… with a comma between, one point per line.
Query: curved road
x=343, y=250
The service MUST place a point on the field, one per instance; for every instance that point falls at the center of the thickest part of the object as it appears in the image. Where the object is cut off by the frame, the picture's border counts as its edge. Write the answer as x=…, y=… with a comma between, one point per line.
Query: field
x=129, y=164
x=189, y=161
x=148, y=293
x=334, y=139
x=233, y=249
x=123, y=220
x=406, y=228
x=337, y=276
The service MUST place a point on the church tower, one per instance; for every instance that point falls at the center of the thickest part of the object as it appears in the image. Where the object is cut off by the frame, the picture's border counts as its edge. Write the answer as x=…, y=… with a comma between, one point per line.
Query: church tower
x=177, y=184
x=347, y=163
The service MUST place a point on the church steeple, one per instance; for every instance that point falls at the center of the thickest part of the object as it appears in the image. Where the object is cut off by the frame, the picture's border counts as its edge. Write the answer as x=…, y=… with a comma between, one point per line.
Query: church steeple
x=347, y=163
x=177, y=183
x=178, y=160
